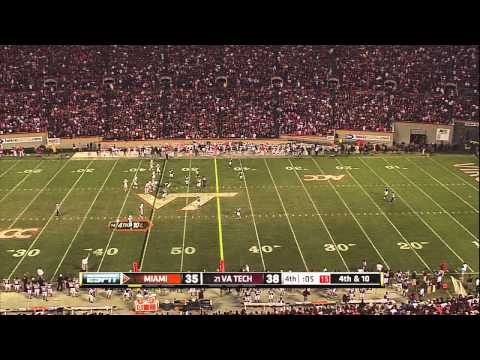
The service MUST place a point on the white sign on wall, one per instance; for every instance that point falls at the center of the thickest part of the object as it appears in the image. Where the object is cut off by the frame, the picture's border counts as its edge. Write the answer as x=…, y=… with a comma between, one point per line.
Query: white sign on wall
x=443, y=134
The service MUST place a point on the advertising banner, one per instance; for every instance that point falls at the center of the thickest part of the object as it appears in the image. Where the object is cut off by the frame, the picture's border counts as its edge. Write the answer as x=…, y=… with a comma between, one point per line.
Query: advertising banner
x=443, y=134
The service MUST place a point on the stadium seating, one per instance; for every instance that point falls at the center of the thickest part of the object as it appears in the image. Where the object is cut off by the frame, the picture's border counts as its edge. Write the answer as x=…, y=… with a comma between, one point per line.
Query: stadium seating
x=119, y=92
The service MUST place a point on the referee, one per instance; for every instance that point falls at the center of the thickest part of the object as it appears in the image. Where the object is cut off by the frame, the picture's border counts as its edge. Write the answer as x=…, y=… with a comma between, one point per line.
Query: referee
x=57, y=210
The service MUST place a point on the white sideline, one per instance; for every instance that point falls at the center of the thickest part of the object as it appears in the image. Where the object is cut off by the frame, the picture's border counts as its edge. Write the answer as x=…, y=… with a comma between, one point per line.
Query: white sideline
x=83, y=221
x=253, y=216
x=385, y=215
x=119, y=214
x=6, y=171
x=153, y=214
x=185, y=217
x=453, y=173
x=48, y=222
x=445, y=187
x=37, y=195
x=419, y=217
x=286, y=215
x=19, y=183
x=354, y=217
x=319, y=215
x=435, y=202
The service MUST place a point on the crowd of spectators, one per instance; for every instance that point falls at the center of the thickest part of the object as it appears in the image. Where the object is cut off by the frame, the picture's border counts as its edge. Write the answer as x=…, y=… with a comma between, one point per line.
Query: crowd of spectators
x=120, y=92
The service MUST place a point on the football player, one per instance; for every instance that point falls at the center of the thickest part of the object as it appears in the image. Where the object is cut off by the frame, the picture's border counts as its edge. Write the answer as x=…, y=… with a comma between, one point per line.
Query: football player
x=171, y=174
x=141, y=210
x=134, y=182
x=187, y=180
x=151, y=164
x=392, y=197
x=125, y=185
x=204, y=181
x=385, y=194
x=238, y=213
x=199, y=183
x=230, y=163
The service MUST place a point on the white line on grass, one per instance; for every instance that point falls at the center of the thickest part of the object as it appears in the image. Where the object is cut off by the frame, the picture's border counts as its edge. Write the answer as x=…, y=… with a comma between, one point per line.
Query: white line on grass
x=319, y=215
x=431, y=199
x=37, y=195
x=416, y=213
x=445, y=187
x=83, y=221
x=286, y=215
x=386, y=217
x=10, y=168
x=48, y=222
x=20, y=182
x=354, y=217
x=456, y=175
x=185, y=216
x=253, y=216
x=149, y=231
x=118, y=216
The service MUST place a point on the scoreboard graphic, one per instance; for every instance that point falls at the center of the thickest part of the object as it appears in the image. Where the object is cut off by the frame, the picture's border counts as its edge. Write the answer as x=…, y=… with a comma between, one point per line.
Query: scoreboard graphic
x=233, y=279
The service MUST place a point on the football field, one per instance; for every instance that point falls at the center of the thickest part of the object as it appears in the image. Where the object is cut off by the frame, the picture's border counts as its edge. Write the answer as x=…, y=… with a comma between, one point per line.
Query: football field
x=300, y=214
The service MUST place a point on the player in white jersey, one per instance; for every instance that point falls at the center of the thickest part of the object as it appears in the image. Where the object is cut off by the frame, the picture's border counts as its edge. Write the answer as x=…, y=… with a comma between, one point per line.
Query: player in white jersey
x=187, y=180
x=199, y=183
x=135, y=182
x=230, y=163
x=147, y=187
x=385, y=194
x=238, y=213
x=392, y=197
x=151, y=165
x=125, y=185
x=141, y=209
x=240, y=175
x=171, y=174
x=158, y=168
x=130, y=221
x=197, y=172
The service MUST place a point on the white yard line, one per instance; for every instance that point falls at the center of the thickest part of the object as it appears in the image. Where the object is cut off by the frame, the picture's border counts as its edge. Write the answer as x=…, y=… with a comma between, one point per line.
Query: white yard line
x=10, y=168
x=48, y=222
x=354, y=217
x=417, y=214
x=37, y=195
x=386, y=217
x=253, y=216
x=445, y=187
x=319, y=215
x=432, y=200
x=185, y=216
x=286, y=215
x=19, y=183
x=83, y=221
x=456, y=175
x=118, y=216
x=152, y=216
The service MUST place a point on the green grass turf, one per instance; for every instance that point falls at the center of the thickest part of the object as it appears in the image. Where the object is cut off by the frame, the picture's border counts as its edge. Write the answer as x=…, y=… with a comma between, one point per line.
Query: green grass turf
x=297, y=224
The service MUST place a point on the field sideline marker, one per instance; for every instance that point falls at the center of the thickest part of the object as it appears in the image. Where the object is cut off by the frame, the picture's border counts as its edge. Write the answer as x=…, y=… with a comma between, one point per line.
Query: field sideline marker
x=253, y=216
x=456, y=175
x=10, y=168
x=83, y=221
x=434, y=201
x=37, y=195
x=219, y=215
x=421, y=218
x=19, y=183
x=445, y=187
x=286, y=215
x=48, y=222
x=353, y=215
x=386, y=216
x=319, y=215
x=185, y=217
x=118, y=216
x=152, y=214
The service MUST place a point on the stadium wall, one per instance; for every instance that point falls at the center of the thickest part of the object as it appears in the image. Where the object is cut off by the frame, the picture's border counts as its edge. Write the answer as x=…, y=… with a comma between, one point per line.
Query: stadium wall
x=435, y=133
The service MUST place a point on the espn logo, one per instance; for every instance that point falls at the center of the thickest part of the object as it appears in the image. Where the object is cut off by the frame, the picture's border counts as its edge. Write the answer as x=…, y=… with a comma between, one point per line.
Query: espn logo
x=127, y=226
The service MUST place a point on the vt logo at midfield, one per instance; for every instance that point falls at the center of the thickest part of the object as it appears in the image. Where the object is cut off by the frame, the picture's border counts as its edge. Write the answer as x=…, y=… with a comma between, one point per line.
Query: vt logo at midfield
x=202, y=198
